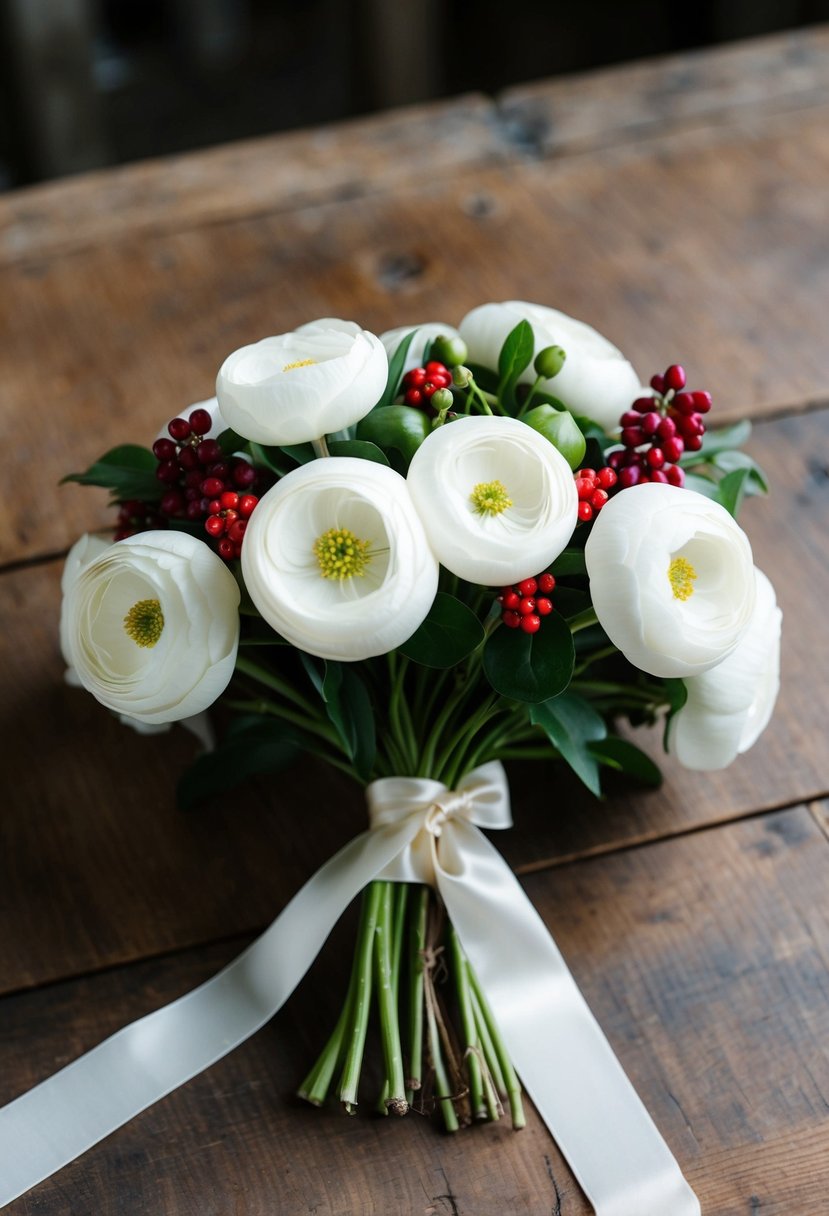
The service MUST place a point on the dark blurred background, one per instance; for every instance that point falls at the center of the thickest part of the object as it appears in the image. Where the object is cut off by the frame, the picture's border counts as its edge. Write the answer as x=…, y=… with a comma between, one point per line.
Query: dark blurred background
x=86, y=83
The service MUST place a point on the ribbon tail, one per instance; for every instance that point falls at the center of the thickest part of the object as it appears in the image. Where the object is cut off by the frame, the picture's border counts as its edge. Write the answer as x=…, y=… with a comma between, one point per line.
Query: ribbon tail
x=564, y=1060
x=52, y=1124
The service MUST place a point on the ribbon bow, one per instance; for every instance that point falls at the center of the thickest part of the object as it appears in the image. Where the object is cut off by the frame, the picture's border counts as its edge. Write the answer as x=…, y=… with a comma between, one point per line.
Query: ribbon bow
x=420, y=832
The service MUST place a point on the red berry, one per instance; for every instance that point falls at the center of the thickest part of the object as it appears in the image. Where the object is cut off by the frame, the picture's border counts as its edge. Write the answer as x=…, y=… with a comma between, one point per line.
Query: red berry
x=585, y=512
x=693, y=443
x=179, y=428
x=630, y=476
x=527, y=586
x=643, y=405
x=615, y=459
x=415, y=377
x=666, y=428
x=531, y=624
x=511, y=619
x=212, y=487
x=236, y=530
x=676, y=476
x=433, y=366
x=511, y=599
x=226, y=548
x=702, y=401
x=246, y=504
x=590, y=474
x=413, y=397
x=659, y=476
x=598, y=498
x=650, y=422
x=168, y=471
x=229, y=500
x=673, y=448
x=584, y=487
x=546, y=583
x=193, y=509
x=244, y=475
x=172, y=503
x=692, y=425
x=543, y=606
x=526, y=605
x=675, y=377
x=215, y=525
x=607, y=478
x=164, y=449
x=632, y=436
x=658, y=383
x=188, y=460
x=200, y=422
x=655, y=458
x=685, y=403
x=208, y=451
x=429, y=389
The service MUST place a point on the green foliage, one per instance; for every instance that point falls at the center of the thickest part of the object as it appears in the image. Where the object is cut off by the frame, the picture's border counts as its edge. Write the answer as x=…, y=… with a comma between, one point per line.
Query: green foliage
x=560, y=428
x=359, y=448
x=349, y=709
x=127, y=472
x=627, y=758
x=449, y=634
x=530, y=667
x=253, y=745
x=397, y=428
x=572, y=724
x=396, y=365
x=516, y=355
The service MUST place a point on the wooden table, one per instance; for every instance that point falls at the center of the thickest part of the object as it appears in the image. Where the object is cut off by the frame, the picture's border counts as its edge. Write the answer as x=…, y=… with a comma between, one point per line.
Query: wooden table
x=681, y=207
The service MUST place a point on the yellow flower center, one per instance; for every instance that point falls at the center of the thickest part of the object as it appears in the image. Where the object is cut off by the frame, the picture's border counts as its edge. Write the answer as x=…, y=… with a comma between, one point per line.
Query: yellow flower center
x=144, y=622
x=289, y=367
x=341, y=554
x=681, y=575
x=490, y=498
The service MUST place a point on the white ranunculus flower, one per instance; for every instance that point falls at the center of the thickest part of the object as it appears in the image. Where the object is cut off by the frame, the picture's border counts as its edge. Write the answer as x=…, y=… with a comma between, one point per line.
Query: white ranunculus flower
x=497, y=500
x=671, y=578
x=426, y=334
x=150, y=625
x=596, y=379
x=729, y=707
x=336, y=559
x=323, y=377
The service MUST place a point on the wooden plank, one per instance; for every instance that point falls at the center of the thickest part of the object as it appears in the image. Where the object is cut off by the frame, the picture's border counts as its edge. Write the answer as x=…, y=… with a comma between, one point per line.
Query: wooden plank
x=703, y=958
x=715, y=87
x=690, y=255
x=96, y=868
x=605, y=109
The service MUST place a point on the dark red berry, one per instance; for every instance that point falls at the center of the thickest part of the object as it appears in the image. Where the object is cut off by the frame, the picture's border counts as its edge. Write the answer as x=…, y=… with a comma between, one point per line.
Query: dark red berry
x=658, y=383
x=546, y=583
x=168, y=471
x=164, y=449
x=675, y=377
x=666, y=428
x=658, y=475
x=643, y=405
x=179, y=428
x=655, y=458
x=200, y=422
x=511, y=599
x=236, y=530
x=675, y=475
x=208, y=451
x=212, y=487
x=226, y=548
x=632, y=436
x=172, y=503
x=511, y=619
x=244, y=475
x=630, y=476
x=673, y=448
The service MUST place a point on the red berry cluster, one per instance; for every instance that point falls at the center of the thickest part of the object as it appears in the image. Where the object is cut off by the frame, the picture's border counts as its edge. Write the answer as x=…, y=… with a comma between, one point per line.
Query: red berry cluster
x=657, y=430
x=523, y=607
x=593, y=489
x=197, y=476
x=421, y=383
x=227, y=521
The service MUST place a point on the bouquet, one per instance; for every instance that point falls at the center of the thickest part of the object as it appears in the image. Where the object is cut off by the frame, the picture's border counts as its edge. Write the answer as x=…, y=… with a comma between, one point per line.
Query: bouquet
x=417, y=557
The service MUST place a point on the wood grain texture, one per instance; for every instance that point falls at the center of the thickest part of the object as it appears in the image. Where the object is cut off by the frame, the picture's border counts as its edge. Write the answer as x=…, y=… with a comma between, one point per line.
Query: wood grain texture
x=704, y=959
x=605, y=109
x=710, y=249
x=95, y=824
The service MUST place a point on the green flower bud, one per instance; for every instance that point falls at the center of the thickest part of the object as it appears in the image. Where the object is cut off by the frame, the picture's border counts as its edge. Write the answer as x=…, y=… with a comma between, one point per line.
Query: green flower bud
x=561, y=429
x=549, y=361
x=461, y=376
x=448, y=350
x=442, y=399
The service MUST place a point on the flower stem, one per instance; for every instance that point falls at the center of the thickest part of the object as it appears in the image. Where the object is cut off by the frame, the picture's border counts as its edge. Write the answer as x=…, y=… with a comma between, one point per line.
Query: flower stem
x=362, y=998
x=320, y=446
x=511, y=1083
x=314, y=1088
x=442, y=1088
x=417, y=938
x=470, y=1037
x=583, y=620
x=487, y=1045
x=395, y=1101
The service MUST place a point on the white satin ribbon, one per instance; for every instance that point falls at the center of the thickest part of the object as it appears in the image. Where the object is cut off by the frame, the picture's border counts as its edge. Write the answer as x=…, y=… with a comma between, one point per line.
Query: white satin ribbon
x=420, y=832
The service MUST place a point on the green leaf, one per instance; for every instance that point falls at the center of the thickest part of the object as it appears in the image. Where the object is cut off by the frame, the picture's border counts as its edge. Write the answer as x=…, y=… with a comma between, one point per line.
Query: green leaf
x=253, y=745
x=560, y=428
x=450, y=632
x=702, y=485
x=397, y=427
x=569, y=601
x=530, y=667
x=484, y=377
x=349, y=709
x=229, y=441
x=302, y=453
x=731, y=490
x=571, y=724
x=359, y=448
x=676, y=692
x=731, y=459
x=571, y=561
x=396, y=365
x=627, y=758
x=127, y=471
x=272, y=458
x=516, y=354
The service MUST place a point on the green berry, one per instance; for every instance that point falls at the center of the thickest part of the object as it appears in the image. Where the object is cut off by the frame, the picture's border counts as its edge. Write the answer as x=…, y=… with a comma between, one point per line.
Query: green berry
x=549, y=361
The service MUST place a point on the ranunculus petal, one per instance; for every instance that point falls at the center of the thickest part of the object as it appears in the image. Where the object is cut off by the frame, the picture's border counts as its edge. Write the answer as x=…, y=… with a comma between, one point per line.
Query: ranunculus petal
x=499, y=547
x=671, y=578
x=167, y=677
x=596, y=379
x=729, y=706
x=295, y=387
x=368, y=613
